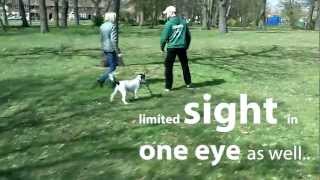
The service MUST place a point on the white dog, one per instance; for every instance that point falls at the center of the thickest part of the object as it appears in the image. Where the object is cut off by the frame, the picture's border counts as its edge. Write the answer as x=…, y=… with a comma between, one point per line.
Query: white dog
x=128, y=86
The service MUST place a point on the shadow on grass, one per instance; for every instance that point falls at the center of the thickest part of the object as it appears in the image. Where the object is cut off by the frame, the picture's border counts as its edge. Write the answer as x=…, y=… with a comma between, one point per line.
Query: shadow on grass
x=214, y=82
x=63, y=51
x=35, y=30
x=80, y=158
x=40, y=92
x=262, y=62
x=204, y=83
x=151, y=96
x=100, y=144
x=245, y=61
x=271, y=32
x=268, y=29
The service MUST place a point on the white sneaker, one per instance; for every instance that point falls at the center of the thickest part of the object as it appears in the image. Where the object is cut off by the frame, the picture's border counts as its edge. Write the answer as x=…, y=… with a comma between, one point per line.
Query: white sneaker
x=167, y=90
x=111, y=77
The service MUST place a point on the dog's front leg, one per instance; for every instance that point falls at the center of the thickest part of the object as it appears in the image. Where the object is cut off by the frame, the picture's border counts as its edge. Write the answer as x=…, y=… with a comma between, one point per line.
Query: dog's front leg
x=136, y=94
x=113, y=94
x=123, y=93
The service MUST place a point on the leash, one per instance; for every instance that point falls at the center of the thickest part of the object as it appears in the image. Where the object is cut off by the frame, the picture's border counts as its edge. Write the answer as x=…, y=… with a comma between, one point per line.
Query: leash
x=149, y=89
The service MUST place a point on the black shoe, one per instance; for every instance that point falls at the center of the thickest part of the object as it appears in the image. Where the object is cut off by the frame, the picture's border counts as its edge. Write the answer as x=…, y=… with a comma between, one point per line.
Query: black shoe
x=100, y=83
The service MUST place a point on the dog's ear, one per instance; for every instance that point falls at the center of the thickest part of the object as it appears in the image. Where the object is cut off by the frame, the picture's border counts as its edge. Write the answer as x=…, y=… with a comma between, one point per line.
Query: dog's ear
x=143, y=76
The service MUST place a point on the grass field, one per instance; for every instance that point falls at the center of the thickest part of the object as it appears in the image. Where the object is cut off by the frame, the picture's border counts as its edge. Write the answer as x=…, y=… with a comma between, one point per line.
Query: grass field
x=54, y=125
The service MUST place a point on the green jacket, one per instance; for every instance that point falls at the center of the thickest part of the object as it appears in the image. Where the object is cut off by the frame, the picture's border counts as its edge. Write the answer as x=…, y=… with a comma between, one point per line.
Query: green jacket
x=176, y=34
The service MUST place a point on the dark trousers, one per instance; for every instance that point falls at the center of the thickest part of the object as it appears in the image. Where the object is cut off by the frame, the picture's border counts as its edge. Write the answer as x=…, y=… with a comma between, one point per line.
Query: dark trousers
x=112, y=62
x=171, y=56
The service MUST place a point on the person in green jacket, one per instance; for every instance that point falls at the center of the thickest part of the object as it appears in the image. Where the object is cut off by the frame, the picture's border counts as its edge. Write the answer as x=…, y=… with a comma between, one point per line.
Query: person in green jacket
x=176, y=36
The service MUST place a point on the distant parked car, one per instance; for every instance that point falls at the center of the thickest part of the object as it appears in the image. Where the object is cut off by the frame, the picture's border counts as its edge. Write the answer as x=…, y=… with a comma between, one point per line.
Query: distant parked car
x=14, y=18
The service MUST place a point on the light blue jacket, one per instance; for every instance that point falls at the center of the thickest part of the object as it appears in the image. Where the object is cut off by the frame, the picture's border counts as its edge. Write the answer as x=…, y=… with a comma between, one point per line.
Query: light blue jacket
x=109, y=36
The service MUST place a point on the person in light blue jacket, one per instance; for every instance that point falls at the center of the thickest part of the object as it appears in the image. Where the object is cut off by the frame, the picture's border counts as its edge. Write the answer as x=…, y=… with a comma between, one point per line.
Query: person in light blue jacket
x=109, y=43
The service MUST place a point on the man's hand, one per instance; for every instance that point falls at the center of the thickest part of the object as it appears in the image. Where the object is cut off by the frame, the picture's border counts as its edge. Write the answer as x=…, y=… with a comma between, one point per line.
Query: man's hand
x=164, y=53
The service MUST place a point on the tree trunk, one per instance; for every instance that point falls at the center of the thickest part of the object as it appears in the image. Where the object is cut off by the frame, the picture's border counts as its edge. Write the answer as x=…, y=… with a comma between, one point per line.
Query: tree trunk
x=43, y=17
x=5, y=17
x=153, y=22
x=108, y=6
x=64, y=14
x=155, y=14
x=310, y=14
x=291, y=14
x=229, y=9
x=56, y=12
x=97, y=10
x=29, y=11
x=76, y=11
x=222, y=16
x=22, y=13
x=116, y=9
x=137, y=18
x=317, y=24
x=210, y=13
x=215, y=19
x=261, y=18
x=207, y=16
x=204, y=14
x=141, y=18
x=96, y=4
x=2, y=25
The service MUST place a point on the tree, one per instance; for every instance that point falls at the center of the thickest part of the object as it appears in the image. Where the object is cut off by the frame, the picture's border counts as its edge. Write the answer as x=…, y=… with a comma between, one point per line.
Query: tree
x=228, y=9
x=107, y=6
x=155, y=10
x=56, y=12
x=317, y=24
x=150, y=11
x=64, y=13
x=310, y=15
x=22, y=13
x=76, y=11
x=140, y=8
x=5, y=17
x=2, y=25
x=207, y=15
x=116, y=9
x=215, y=15
x=223, y=16
x=141, y=17
x=29, y=11
x=292, y=10
x=96, y=4
x=44, y=28
x=261, y=18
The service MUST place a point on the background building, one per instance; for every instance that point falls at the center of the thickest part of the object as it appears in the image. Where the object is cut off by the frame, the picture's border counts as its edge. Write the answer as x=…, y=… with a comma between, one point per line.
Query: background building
x=86, y=9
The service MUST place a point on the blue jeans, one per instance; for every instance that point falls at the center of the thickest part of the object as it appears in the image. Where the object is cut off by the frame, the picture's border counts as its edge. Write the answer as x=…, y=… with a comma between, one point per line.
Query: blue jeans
x=112, y=62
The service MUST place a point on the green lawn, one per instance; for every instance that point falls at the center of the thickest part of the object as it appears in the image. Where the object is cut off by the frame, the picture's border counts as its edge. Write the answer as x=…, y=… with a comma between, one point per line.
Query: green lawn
x=54, y=125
